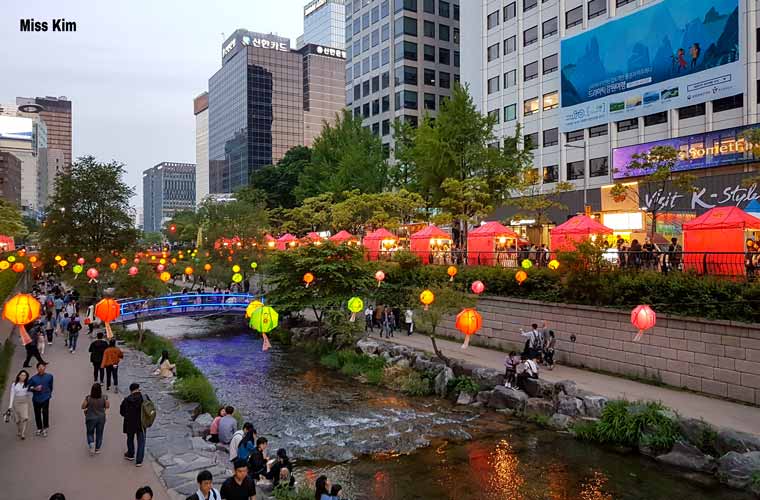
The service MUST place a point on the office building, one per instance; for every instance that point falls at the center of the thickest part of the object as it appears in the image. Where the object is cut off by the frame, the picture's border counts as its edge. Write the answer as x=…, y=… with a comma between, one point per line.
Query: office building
x=402, y=59
x=323, y=88
x=168, y=188
x=324, y=23
x=10, y=178
x=26, y=139
x=593, y=82
x=200, y=109
x=56, y=113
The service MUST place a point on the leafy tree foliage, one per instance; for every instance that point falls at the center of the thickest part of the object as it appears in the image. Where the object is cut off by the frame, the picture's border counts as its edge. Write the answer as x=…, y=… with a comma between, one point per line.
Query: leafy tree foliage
x=277, y=183
x=235, y=218
x=360, y=212
x=467, y=201
x=11, y=222
x=448, y=301
x=535, y=202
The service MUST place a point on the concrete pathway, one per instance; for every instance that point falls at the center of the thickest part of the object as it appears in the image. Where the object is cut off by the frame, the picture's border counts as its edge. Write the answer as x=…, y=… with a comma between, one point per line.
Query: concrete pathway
x=38, y=467
x=715, y=411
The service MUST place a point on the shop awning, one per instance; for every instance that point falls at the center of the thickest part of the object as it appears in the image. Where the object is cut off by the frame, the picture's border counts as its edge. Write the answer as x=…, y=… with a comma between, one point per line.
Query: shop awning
x=342, y=236
x=492, y=229
x=381, y=234
x=581, y=224
x=286, y=238
x=432, y=232
x=723, y=218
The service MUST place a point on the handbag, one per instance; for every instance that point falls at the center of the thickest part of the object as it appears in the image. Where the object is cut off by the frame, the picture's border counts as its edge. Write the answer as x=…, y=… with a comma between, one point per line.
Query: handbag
x=7, y=416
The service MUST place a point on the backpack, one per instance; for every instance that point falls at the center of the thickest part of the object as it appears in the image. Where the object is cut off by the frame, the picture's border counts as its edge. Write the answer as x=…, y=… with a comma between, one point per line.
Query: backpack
x=147, y=412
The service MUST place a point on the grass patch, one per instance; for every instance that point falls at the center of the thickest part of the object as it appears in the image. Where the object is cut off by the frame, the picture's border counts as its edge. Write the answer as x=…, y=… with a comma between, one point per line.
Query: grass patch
x=6, y=357
x=463, y=384
x=353, y=364
x=539, y=419
x=302, y=492
x=407, y=381
x=8, y=282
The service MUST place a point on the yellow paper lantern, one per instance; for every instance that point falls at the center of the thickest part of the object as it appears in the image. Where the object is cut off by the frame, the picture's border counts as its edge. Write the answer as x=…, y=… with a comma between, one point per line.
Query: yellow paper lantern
x=526, y=264
x=252, y=307
x=165, y=276
x=521, y=276
x=237, y=277
x=553, y=264
x=427, y=297
x=4, y=264
x=235, y=268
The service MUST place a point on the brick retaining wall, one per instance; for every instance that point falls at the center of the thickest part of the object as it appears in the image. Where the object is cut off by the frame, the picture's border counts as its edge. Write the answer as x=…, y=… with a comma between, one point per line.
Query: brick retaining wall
x=719, y=358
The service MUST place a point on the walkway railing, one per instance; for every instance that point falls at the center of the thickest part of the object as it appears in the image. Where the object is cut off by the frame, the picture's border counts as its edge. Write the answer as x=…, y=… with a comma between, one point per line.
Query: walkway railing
x=192, y=304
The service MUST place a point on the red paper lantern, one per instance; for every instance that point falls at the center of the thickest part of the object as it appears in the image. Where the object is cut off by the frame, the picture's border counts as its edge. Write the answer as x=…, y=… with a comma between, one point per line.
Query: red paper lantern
x=80, y=260
x=98, y=260
x=643, y=318
x=477, y=287
x=18, y=267
x=133, y=271
x=21, y=310
x=468, y=322
x=123, y=261
x=107, y=310
x=136, y=261
x=521, y=276
x=92, y=273
x=113, y=266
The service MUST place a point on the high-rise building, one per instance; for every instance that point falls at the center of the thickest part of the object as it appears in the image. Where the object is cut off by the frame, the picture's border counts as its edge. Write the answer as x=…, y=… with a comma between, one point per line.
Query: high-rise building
x=10, y=178
x=200, y=109
x=256, y=103
x=402, y=59
x=323, y=88
x=168, y=188
x=56, y=113
x=324, y=23
x=592, y=83
x=26, y=139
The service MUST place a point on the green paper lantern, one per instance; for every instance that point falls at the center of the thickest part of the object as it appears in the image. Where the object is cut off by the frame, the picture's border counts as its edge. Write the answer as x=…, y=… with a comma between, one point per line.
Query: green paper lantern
x=254, y=265
x=264, y=319
x=11, y=258
x=355, y=305
x=526, y=264
x=237, y=277
x=77, y=269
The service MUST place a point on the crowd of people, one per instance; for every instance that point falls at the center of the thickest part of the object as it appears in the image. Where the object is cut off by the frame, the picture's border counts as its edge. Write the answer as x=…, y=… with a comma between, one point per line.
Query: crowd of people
x=388, y=320
x=539, y=351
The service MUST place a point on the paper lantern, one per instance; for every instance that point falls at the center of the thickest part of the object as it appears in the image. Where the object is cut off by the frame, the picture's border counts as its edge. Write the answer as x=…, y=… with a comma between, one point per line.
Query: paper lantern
x=379, y=276
x=451, y=271
x=98, y=260
x=136, y=261
x=526, y=264
x=553, y=264
x=123, y=261
x=62, y=263
x=92, y=273
x=113, y=266
x=521, y=276
x=308, y=278
x=78, y=268
x=235, y=268
x=252, y=307
x=237, y=277
x=80, y=260
x=160, y=268
x=18, y=267
x=107, y=310
x=643, y=318
x=477, y=287
x=207, y=267
x=264, y=320
x=188, y=270
x=33, y=259
x=468, y=322
x=152, y=257
x=164, y=276
x=4, y=264
x=57, y=258
x=254, y=265
x=133, y=271
x=21, y=310
x=427, y=297
x=162, y=261
x=11, y=258
x=174, y=260
x=355, y=305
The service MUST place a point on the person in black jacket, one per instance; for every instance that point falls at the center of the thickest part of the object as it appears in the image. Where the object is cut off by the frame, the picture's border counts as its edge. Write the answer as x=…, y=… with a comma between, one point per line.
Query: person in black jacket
x=282, y=462
x=131, y=410
x=97, y=348
x=257, y=460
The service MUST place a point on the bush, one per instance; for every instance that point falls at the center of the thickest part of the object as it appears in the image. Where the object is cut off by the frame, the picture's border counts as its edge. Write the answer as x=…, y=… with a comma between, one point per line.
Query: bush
x=6, y=358
x=8, y=281
x=463, y=384
x=197, y=388
x=407, y=381
x=353, y=364
x=303, y=492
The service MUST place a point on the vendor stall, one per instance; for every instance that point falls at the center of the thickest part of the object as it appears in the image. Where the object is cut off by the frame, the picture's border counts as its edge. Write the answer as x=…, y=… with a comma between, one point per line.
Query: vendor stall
x=492, y=244
x=287, y=241
x=721, y=242
x=566, y=236
x=432, y=245
x=344, y=237
x=380, y=244
x=313, y=238
x=270, y=243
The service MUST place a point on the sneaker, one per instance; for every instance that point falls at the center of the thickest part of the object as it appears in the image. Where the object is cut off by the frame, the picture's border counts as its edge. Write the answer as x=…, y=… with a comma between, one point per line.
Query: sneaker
x=38, y=433
x=138, y=465
x=127, y=457
x=92, y=450
x=97, y=451
x=44, y=433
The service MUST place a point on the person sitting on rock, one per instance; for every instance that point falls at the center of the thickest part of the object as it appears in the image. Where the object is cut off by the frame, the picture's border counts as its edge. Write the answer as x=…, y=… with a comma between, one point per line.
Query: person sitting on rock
x=510, y=364
x=213, y=432
x=527, y=368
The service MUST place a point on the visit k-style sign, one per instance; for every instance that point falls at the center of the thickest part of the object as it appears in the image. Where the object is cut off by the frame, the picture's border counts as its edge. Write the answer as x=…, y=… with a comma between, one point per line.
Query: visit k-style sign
x=61, y=24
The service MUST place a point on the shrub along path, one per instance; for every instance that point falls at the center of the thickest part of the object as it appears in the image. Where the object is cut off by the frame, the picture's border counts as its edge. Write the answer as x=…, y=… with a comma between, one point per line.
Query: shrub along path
x=717, y=412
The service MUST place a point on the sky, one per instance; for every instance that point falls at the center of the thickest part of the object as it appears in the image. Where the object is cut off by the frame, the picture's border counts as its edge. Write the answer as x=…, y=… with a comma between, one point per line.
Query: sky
x=131, y=69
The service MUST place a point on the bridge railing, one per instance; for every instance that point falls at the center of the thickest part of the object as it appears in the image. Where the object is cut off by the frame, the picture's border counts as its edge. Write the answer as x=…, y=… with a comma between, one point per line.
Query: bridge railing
x=134, y=309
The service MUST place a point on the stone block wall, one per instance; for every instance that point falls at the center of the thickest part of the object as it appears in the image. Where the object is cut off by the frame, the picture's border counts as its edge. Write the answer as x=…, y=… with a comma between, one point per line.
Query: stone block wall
x=720, y=358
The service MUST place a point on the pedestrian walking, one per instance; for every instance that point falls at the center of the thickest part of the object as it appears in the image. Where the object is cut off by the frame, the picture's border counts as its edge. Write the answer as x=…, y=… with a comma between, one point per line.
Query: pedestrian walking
x=112, y=356
x=131, y=410
x=49, y=323
x=32, y=348
x=239, y=486
x=74, y=328
x=63, y=327
x=97, y=348
x=95, y=405
x=144, y=493
x=206, y=489
x=20, y=403
x=41, y=386
x=369, y=319
x=409, y=320
x=549, y=348
x=535, y=343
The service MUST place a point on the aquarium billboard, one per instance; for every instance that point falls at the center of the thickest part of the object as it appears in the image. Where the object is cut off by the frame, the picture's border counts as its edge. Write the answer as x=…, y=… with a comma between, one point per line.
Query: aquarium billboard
x=673, y=54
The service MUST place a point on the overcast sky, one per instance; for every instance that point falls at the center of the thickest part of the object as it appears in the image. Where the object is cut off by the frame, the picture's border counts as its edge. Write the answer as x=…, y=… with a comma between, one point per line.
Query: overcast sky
x=131, y=69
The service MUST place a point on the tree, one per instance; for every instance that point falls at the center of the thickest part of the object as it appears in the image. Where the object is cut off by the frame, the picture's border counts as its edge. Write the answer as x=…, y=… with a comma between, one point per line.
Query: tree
x=533, y=201
x=448, y=301
x=185, y=224
x=361, y=211
x=90, y=209
x=229, y=219
x=467, y=201
x=657, y=166
x=345, y=156
x=277, y=183
x=11, y=221
x=152, y=238
x=314, y=214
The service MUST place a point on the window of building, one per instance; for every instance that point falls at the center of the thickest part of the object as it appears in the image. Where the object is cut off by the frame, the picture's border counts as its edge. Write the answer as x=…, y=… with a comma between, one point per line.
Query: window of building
x=410, y=51
x=510, y=79
x=510, y=11
x=551, y=63
x=575, y=170
x=530, y=71
x=386, y=56
x=530, y=141
x=493, y=52
x=444, y=56
x=574, y=17
x=530, y=36
x=551, y=137
x=428, y=6
x=757, y=91
x=386, y=127
x=385, y=103
x=410, y=75
x=551, y=100
x=493, y=85
x=365, y=43
x=598, y=131
x=365, y=88
x=406, y=5
x=386, y=80
x=510, y=44
x=376, y=60
x=405, y=26
x=456, y=12
x=384, y=8
x=357, y=26
x=655, y=119
x=375, y=84
x=620, y=3
x=529, y=4
x=429, y=53
x=357, y=92
x=428, y=77
x=549, y=28
x=375, y=14
x=492, y=20
x=444, y=33
x=735, y=101
x=691, y=111
x=456, y=59
x=385, y=32
x=494, y=113
x=397, y=101
x=551, y=174
x=443, y=9
x=365, y=66
x=530, y=106
x=444, y=79
x=429, y=29
x=510, y=112
x=598, y=167
x=365, y=21
x=376, y=38
x=376, y=107
x=386, y=150
x=596, y=8
x=357, y=111
x=365, y=110
x=410, y=99
x=456, y=36
x=631, y=124
x=575, y=135
x=429, y=101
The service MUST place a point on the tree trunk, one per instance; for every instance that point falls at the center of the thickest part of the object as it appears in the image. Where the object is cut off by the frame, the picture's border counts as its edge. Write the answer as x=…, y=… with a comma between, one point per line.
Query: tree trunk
x=140, y=333
x=438, y=352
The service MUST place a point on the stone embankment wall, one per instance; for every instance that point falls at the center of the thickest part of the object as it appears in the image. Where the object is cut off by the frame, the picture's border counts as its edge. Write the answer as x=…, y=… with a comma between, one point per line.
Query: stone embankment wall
x=720, y=358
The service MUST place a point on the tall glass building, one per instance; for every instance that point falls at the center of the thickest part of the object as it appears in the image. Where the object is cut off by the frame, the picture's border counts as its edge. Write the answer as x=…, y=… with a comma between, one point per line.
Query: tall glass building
x=323, y=88
x=324, y=23
x=168, y=188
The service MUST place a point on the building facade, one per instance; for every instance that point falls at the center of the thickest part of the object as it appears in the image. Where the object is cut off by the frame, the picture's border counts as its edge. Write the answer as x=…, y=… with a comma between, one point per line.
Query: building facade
x=592, y=82
x=324, y=23
x=200, y=109
x=323, y=88
x=25, y=137
x=168, y=188
x=10, y=178
x=402, y=59
x=56, y=113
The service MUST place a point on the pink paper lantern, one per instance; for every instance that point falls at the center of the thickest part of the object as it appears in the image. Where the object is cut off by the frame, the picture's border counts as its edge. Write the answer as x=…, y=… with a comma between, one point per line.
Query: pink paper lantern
x=80, y=260
x=132, y=271
x=643, y=318
x=160, y=267
x=477, y=287
x=92, y=273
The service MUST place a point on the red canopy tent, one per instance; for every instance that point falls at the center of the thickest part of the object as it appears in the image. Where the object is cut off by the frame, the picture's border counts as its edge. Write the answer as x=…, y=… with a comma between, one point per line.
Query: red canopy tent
x=270, y=242
x=6, y=243
x=487, y=243
x=378, y=242
x=344, y=237
x=432, y=244
x=567, y=235
x=286, y=240
x=721, y=229
x=313, y=237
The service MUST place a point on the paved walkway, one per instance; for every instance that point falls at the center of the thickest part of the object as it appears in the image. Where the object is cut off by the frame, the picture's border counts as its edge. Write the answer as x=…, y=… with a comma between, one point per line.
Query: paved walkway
x=715, y=411
x=38, y=467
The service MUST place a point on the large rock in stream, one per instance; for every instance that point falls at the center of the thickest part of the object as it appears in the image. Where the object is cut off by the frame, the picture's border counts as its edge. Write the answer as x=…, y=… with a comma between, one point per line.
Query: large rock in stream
x=688, y=457
x=503, y=397
x=740, y=470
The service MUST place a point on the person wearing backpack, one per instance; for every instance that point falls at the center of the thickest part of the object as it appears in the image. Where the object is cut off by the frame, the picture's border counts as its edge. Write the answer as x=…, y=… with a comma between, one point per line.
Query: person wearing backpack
x=132, y=410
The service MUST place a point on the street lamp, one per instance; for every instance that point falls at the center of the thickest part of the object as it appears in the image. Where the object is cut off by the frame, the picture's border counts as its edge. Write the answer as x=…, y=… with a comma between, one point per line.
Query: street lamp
x=585, y=174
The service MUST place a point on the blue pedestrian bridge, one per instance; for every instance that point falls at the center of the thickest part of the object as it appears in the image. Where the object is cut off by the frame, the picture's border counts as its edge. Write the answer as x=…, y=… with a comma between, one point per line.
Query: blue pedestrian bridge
x=193, y=304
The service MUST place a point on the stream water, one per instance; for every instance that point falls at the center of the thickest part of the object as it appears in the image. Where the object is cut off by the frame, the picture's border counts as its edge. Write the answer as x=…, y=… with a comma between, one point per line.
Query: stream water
x=381, y=445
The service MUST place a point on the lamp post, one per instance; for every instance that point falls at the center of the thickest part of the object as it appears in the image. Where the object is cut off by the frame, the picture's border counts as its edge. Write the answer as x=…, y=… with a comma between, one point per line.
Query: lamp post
x=585, y=173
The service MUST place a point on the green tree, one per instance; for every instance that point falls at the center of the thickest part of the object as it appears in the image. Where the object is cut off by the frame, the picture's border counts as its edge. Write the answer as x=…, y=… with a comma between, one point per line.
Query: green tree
x=361, y=211
x=90, y=209
x=448, y=301
x=11, y=222
x=314, y=214
x=235, y=218
x=277, y=183
x=152, y=238
x=345, y=156
x=185, y=225
x=534, y=200
x=467, y=201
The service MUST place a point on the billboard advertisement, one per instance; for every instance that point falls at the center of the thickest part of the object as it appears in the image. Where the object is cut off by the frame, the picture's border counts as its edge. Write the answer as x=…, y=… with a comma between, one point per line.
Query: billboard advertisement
x=13, y=127
x=709, y=149
x=673, y=54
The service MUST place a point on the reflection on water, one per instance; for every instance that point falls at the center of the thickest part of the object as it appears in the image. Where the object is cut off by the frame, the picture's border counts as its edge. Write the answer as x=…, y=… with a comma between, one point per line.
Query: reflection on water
x=319, y=414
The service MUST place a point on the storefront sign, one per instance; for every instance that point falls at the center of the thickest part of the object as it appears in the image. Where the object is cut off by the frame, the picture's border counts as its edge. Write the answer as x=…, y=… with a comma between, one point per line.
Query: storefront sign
x=711, y=192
